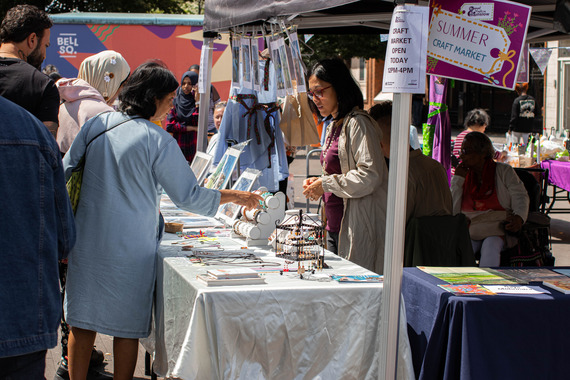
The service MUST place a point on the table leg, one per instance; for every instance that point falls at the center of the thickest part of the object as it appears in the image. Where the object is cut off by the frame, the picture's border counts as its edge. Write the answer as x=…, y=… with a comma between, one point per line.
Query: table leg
x=555, y=191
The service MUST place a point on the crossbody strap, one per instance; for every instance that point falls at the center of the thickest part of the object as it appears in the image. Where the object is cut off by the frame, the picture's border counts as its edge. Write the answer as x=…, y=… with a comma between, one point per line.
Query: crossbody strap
x=108, y=129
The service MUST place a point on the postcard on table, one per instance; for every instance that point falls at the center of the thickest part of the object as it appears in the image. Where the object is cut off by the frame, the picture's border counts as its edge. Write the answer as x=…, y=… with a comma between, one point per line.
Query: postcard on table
x=530, y=274
x=361, y=278
x=467, y=275
x=564, y=271
x=562, y=286
x=515, y=289
x=467, y=290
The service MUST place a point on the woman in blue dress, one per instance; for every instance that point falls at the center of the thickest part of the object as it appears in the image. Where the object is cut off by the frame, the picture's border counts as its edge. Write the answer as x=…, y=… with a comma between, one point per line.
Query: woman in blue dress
x=112, y=268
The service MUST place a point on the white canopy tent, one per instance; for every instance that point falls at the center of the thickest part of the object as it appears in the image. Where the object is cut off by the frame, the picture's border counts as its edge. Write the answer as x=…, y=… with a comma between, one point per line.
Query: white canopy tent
x=358, y=16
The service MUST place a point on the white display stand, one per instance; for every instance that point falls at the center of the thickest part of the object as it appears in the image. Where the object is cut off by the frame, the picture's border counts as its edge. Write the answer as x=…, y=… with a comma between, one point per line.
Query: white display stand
x=255, y=226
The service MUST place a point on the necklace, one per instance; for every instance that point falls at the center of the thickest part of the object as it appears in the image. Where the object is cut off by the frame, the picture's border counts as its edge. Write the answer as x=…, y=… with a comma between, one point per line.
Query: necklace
x=332, y=135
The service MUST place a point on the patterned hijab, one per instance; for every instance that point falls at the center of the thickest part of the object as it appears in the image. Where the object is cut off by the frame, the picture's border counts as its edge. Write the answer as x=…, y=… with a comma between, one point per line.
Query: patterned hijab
x=185, y=104
x=105, y=71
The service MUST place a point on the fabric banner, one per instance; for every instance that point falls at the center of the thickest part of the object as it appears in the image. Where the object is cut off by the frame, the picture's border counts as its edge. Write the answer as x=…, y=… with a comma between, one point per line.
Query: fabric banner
x=439, y=117
x=541, y=57
x=477, y=42
x=522, y=76
x=427, y=137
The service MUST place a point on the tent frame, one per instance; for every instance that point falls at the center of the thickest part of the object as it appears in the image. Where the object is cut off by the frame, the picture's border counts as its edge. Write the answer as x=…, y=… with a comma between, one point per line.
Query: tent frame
x=313, y=20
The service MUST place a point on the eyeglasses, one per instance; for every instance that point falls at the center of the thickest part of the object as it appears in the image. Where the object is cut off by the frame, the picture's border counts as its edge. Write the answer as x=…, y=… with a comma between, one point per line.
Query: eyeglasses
x=317, y=93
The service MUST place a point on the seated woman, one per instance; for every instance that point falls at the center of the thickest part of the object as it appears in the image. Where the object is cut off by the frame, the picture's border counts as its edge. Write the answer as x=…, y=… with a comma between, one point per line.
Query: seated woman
x=182, y=120
x=490, y=194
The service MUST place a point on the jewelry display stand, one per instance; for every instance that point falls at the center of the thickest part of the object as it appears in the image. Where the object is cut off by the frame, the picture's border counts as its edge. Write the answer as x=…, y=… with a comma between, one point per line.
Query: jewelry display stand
x=255, y=226
x=299, y=238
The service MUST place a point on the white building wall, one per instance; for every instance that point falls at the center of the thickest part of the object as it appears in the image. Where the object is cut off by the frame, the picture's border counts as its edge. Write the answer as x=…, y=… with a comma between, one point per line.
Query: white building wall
x=355, y=70
x=551, y=91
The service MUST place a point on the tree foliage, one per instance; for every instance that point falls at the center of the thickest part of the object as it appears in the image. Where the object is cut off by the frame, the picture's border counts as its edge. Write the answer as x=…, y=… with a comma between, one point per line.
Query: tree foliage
x=343, y=46
x=130, y=6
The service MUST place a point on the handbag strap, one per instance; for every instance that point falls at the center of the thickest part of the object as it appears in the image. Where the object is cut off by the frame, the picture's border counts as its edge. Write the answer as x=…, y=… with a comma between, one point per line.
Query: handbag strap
x=108, y=129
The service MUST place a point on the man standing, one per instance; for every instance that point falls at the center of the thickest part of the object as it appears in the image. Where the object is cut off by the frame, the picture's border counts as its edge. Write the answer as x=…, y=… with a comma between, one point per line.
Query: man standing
x=37, y=229
x=24, y=37
x=428, y=189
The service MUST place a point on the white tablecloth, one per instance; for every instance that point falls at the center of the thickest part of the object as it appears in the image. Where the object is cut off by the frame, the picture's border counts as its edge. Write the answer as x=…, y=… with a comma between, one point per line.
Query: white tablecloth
x=287, y=328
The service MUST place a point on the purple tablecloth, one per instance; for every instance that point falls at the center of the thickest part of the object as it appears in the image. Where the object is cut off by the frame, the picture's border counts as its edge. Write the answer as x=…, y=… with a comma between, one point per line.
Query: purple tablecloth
x=558, y=173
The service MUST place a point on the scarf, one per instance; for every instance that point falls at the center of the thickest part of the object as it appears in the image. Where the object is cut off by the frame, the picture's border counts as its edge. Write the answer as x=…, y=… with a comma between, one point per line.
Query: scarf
x=104, y=71
x=185, y=105
x=487, y=186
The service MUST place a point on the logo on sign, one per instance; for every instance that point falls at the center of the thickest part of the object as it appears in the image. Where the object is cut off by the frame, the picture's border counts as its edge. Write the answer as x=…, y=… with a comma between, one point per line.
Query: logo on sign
x=478, y=11
x=67, y=45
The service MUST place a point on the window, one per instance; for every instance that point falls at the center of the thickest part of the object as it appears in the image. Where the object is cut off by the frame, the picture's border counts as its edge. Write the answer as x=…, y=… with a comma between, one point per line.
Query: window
x=362, y=71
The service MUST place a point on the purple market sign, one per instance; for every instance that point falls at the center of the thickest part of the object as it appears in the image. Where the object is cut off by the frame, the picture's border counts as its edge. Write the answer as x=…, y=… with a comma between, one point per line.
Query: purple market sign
x=477, y=42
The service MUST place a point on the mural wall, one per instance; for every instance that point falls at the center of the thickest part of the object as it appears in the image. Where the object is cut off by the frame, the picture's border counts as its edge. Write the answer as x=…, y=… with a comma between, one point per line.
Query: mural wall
x=179, y=46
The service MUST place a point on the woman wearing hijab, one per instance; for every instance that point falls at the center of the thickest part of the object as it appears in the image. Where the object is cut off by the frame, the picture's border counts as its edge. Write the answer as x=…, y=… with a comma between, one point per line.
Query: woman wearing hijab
x=93, y=91
x=182, y=120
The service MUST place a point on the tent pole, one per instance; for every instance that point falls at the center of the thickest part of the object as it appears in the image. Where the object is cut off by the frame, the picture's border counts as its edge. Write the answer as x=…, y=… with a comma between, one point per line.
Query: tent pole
x=395, y=233
x=202, y=140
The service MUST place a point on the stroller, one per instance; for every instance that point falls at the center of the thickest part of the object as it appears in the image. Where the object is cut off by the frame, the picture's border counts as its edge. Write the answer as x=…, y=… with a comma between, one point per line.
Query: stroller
x=534, y=246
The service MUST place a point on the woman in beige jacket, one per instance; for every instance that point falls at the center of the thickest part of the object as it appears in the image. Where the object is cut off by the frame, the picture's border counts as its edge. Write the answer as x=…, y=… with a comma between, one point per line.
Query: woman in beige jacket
x=355, y=177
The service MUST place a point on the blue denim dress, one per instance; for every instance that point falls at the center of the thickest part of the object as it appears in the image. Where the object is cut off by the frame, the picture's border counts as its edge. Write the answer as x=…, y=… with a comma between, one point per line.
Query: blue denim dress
x=112, y=268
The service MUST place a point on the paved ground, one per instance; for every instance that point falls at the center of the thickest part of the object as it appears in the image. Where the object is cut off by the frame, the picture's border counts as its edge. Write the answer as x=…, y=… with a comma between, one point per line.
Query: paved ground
x=560, y=231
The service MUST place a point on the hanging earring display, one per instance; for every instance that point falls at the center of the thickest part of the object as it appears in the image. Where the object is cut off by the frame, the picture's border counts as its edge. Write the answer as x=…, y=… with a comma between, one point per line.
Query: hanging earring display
x=278, y=63
x=285, y=66
x=255, y=63
x=236, y=46
x=246, y=63
x=297, y=62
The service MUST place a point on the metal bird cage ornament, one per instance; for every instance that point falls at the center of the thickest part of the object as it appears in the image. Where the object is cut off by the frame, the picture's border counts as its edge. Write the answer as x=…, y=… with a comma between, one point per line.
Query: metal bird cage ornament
x=300, y=238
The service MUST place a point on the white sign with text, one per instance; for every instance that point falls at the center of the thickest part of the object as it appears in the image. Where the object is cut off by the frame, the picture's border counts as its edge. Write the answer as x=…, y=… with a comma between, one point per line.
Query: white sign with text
x=405, y=64
x=466, y=42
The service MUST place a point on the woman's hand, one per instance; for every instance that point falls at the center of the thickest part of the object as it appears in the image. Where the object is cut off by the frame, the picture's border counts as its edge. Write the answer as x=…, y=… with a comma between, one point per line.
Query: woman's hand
x=308, y=181
x=251, y=201
x=191, y=128
x=314, y=190
x=461, y=170
x=514, y=223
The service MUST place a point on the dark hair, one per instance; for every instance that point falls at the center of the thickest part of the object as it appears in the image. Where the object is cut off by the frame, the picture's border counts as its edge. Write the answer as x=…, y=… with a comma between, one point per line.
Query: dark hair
x=335, y=72
x=381, y=110
x=23, y=20
x=480, y=143
x=149, y=82
x=194, y=67
x=476, y=116
x=55, y=76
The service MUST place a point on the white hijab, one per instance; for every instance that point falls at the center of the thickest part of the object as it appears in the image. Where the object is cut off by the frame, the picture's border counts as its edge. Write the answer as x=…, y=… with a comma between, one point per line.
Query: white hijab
x=105, y=71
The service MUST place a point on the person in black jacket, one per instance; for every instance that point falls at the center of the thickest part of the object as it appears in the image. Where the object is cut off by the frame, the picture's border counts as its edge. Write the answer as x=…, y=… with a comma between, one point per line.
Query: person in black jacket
x=522, y=114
